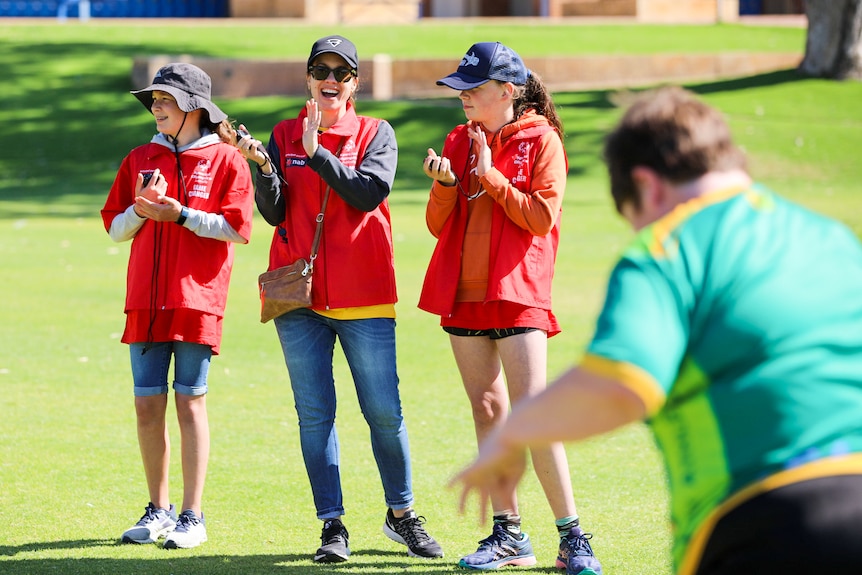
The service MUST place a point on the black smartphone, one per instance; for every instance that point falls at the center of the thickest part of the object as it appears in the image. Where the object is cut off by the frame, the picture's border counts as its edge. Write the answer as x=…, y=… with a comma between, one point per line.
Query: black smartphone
x=147, y=177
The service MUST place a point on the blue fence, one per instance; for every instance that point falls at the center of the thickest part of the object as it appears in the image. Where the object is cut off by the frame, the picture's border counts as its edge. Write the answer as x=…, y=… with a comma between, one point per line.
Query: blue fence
x=750, y=7
x=119, y=8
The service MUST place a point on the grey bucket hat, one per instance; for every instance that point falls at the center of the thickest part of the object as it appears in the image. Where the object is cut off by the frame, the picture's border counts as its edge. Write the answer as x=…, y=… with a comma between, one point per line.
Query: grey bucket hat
x=190, y=85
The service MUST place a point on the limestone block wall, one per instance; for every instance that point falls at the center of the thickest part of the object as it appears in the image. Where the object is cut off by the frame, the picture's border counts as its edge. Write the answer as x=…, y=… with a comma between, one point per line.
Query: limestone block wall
x=385, y=77
x=686, y=10
x=379, y=11
x=329, y=11
x=399, y=11
x=269, y=8
x=597, y=7
x=651, y=10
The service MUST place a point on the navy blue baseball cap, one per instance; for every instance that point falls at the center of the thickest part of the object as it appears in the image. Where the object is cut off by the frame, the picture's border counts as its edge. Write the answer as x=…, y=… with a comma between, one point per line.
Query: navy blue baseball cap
x=487, y=61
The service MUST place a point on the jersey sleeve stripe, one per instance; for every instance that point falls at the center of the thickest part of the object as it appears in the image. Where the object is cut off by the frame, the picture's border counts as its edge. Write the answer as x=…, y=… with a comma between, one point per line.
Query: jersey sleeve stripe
x=631, y=376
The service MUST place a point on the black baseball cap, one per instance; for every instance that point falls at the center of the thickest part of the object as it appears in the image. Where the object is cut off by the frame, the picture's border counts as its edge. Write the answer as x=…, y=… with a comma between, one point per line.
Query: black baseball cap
x=335, y=45
x=487, y=61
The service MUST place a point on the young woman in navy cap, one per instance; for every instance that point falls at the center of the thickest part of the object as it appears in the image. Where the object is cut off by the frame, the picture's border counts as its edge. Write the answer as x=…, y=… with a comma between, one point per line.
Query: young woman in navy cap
x=494, y=208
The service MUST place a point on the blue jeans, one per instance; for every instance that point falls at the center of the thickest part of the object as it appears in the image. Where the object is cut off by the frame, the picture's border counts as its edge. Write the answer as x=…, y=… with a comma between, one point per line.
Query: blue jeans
x=150, y=369
x=308, y=341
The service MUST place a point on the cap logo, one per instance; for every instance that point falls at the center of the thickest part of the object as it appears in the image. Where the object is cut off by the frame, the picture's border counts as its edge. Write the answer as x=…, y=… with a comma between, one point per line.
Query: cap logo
x=333, y=42
x=470, y=60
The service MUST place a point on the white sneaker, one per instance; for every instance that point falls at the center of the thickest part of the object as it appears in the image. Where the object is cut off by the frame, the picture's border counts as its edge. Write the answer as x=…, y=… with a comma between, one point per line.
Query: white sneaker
x=156, y=522
x=190, y=531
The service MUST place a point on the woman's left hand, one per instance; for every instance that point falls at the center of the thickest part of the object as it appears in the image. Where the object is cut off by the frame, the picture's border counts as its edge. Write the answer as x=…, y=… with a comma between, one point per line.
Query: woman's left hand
x=483, y=161
x=310, y=126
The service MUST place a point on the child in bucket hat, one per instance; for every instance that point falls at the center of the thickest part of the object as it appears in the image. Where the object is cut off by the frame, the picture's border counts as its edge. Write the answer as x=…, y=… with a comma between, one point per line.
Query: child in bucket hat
x=502, y=175
x=188, y=84
x=183, y=199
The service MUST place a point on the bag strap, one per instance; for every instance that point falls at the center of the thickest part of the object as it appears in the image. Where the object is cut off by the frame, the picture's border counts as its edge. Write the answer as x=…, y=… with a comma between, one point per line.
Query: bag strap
x=318, y=232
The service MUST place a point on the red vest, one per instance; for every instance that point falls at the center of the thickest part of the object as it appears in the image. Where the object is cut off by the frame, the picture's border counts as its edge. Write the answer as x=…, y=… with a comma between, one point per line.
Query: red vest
x=193, y=272
x=355, y=265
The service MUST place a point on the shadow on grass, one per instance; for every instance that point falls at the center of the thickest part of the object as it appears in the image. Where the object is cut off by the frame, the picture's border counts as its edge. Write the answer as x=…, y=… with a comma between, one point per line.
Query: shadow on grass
x=760, y=81
x=74, y=120
x=68, y=121
x=12, y=550
x=179, y=561
x=15, y=559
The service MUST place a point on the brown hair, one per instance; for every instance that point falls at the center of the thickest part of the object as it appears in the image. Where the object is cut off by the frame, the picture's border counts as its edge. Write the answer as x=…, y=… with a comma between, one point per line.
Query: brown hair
x=534, y=94
x=225, y=130
x=672, y=132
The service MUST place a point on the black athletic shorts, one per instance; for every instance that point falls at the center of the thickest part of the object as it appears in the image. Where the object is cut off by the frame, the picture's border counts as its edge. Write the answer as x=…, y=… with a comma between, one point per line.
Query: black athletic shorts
x=813, y=526
x=492, y=333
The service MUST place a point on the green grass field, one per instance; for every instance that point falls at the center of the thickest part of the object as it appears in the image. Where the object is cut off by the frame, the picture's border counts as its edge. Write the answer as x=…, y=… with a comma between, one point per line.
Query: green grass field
x=70, y=473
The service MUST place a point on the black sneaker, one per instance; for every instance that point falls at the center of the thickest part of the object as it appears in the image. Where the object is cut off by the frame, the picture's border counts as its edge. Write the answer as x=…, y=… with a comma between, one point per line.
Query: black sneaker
x=333, y=543
x=408, y=531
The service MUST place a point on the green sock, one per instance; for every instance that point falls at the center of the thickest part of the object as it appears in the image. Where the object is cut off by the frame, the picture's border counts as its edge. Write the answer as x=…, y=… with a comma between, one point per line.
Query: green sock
x=566, y=524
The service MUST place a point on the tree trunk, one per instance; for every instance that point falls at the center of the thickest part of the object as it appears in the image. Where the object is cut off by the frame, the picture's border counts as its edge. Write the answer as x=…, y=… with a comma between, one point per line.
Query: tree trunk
x=833, y=48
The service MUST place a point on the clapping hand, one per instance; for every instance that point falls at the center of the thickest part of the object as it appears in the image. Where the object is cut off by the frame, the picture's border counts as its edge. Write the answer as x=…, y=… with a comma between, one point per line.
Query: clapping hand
x=310, y=127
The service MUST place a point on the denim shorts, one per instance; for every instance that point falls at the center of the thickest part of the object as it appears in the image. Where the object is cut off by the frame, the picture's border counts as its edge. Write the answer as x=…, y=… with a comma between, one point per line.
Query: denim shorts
x=150, y=369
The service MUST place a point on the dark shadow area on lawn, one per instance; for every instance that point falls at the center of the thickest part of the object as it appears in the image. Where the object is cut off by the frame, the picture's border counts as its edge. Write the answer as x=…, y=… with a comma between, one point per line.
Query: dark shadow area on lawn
x=10, y=550
x=72, y=126
x=75, y=126
x=760, y=81
x=378, y=561
x=229, y=565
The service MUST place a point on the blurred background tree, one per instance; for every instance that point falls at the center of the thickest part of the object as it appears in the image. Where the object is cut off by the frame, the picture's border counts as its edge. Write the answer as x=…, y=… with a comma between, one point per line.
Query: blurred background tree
x=833, y=48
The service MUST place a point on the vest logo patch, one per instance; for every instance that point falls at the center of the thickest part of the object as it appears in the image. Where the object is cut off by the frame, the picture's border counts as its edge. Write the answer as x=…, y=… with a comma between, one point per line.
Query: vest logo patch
x=294, y=161
x=199, y=183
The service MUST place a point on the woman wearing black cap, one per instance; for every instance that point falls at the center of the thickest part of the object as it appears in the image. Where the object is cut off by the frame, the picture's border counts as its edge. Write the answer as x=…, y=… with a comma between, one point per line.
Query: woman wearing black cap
x=495, y=209
x=328, y=147
x=183, y=199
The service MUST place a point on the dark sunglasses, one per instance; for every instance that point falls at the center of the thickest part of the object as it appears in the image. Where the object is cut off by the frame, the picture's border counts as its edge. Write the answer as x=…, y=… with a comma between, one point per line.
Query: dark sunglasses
x=321, y=72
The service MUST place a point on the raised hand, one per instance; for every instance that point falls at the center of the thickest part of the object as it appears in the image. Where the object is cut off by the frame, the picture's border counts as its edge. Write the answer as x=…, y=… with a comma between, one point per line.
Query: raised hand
x=310, y=127
x=483, y=162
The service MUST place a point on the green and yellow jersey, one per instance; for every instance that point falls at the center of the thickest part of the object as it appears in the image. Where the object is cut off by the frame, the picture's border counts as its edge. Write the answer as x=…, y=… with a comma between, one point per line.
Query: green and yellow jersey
x=738, y=319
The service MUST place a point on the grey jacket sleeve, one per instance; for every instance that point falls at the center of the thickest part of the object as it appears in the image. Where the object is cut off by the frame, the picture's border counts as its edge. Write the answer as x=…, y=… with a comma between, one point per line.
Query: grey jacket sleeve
x=124, y=226
x=204, y=224
x=268, y=194
x=215, y=226
x=366, y=187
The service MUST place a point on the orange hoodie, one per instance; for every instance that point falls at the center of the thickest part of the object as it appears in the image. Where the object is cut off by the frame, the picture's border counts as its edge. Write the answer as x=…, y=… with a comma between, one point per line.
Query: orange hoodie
x=500, y=245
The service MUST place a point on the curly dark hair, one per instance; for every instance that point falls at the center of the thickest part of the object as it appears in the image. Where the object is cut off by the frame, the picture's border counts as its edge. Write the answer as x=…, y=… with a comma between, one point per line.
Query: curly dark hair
x=535, y=95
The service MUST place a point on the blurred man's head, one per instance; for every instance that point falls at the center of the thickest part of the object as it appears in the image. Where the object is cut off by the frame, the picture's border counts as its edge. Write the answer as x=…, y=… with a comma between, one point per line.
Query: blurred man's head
x=671, y=135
